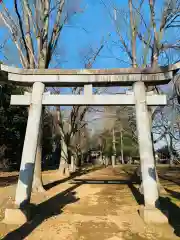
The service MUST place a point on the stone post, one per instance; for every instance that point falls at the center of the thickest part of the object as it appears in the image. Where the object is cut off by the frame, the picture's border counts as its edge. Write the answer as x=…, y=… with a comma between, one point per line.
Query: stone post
x=24, y=186
x=106, y=161
x=73, y=166
x=122, y=153
x=113, y=157
x=63, y=166
x=150, y=188
x=37, y=179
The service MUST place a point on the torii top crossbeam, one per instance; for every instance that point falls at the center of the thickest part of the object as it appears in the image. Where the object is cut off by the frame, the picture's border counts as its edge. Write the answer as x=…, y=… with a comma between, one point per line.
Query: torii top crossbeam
x=98, y=77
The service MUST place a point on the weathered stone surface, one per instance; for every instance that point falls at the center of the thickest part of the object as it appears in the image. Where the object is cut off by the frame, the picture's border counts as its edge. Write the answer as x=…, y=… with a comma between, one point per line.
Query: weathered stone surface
x=148, y=70
x=15, y=216
x=113, y=159
x=92, y=100
x=153, y=215
x=100, y=80
x=24, y=186
x=101, y=77
x=149, y=180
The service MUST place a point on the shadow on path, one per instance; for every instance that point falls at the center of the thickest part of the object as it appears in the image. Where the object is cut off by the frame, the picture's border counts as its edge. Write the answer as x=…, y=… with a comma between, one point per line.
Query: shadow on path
x=177, y=182
x=73, y=175
x=43, y=211
x=174, y=194
x=136, y=193
x=9, y=180
x=135, y=179
x=165, y=205
x=173, y=213
x=101, y=181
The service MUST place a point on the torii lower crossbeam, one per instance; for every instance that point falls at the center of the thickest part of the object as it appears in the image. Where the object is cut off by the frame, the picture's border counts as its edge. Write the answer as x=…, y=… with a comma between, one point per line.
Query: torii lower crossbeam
x=93, y=100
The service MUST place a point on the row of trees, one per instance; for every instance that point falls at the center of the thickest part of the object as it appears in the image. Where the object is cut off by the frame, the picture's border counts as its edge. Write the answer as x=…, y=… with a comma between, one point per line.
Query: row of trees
x=145, y=37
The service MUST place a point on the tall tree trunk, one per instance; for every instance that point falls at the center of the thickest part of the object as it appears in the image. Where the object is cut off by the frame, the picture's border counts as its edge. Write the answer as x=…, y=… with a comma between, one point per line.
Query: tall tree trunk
x=171, y=162
x=101, y=157
x=63, y=165
x=122, y=154
x=133, y=35
x=37, y=180
x=73, y=166
x=113, y=157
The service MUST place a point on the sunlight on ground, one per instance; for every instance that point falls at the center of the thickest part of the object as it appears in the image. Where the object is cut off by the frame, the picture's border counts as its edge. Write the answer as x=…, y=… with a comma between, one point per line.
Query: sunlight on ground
x=88, y=211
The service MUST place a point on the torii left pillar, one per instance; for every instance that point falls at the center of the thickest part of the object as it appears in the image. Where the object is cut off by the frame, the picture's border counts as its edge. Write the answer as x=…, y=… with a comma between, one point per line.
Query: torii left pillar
x=24, y=186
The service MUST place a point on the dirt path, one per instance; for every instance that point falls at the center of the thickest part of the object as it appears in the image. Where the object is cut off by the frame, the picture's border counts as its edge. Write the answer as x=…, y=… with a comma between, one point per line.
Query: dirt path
x=99, y=205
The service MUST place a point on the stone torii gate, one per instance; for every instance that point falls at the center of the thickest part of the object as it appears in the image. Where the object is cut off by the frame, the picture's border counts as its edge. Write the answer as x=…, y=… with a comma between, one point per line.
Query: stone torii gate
x=138, y=78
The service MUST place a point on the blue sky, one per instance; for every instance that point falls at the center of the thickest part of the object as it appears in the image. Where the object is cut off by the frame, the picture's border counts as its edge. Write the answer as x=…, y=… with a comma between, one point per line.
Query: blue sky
x=84, y=31
x=87, y=30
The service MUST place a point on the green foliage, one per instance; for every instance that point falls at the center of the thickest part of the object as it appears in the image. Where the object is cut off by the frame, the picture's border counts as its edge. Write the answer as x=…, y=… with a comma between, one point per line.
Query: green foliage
x=130, y=146
x=48, y=139
x=12, y=126
x=13, y=120
x=164, y=152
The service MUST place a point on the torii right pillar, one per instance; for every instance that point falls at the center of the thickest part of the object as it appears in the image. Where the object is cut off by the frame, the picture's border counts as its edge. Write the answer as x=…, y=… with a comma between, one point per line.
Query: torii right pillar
x=149, y=212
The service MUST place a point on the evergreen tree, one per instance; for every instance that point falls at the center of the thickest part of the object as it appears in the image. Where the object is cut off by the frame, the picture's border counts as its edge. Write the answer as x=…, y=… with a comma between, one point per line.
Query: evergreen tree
x=13, y=121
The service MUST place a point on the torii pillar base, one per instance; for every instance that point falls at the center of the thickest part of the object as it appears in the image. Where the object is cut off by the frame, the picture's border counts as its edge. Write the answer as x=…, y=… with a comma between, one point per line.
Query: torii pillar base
x=153, y=215
x=17, y=216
